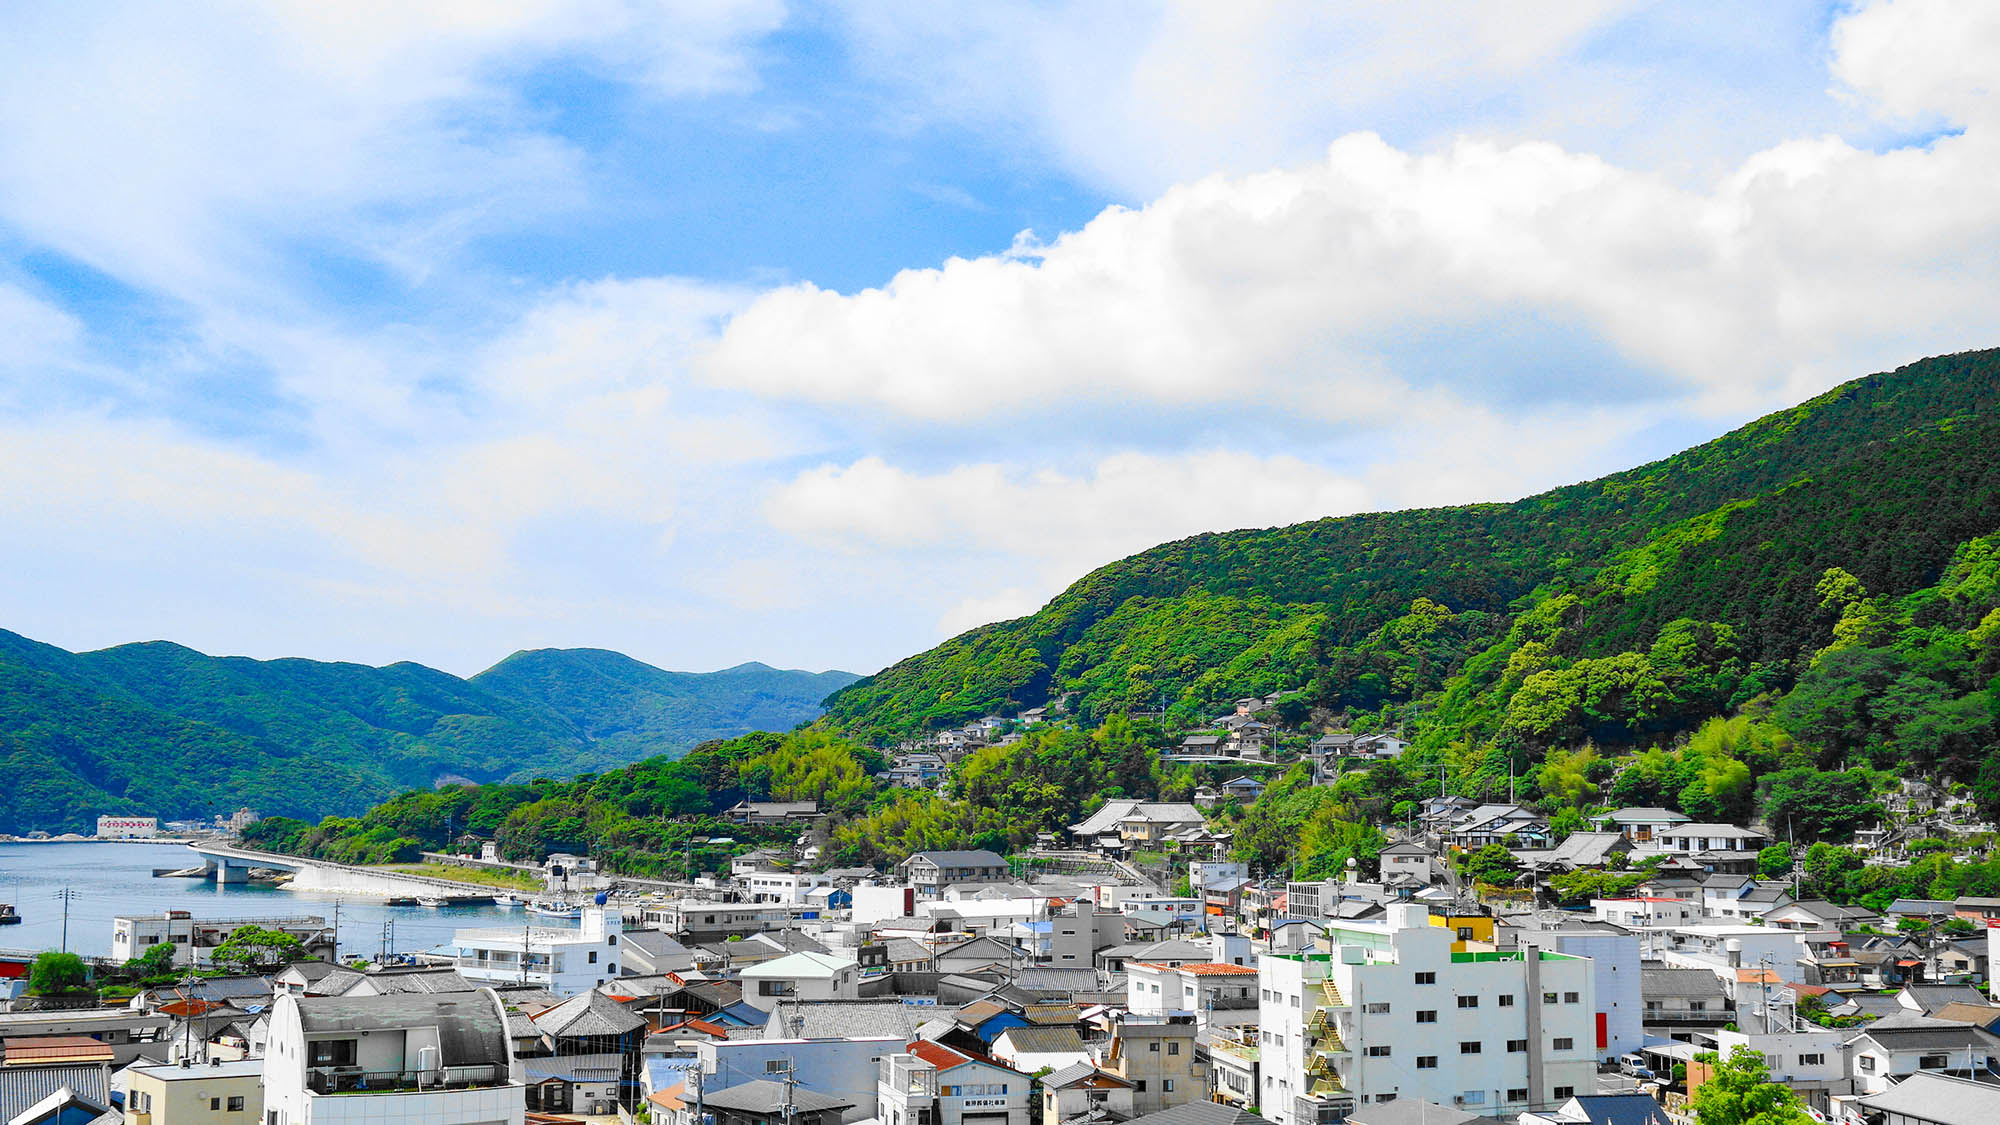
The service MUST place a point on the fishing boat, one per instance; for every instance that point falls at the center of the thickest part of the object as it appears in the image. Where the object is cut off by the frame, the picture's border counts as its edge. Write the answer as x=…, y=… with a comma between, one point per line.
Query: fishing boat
x=427, y=900
x=8, y=915
x=506, y=901
x=555, y=909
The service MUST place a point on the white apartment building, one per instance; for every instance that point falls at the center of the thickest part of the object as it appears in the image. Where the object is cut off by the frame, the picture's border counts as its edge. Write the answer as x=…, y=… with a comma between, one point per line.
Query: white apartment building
x=1392, y=1012
x=781, y=886
x=1614, y=961
x=564, y=961
x=194, y=939
x=1647, y=912
x=1215, y=995
x=935, y=1085
x=410, y=1058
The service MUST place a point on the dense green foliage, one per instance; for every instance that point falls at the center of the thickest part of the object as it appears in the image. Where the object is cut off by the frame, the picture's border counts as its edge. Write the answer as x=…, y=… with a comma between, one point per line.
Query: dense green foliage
x=254, y=949
x=54, y=973
x=1739, y=1091
x=158, y=729
x=649, y=819
x=1756, y=626
x=1736, y=531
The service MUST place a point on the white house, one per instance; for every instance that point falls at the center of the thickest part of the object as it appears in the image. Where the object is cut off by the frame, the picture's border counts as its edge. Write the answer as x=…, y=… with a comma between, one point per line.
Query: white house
x=801, y=976
x=1882, y=1056
x=564, y=961
x=1392, y=1012
x=1214, y=995
x=934, y=1084
x=421, y=1059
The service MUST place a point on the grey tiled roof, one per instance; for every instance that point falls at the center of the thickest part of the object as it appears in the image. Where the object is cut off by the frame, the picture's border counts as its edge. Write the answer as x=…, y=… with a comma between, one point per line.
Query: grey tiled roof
x=23, y=1086
x=765, y=1096
x=589, y=1013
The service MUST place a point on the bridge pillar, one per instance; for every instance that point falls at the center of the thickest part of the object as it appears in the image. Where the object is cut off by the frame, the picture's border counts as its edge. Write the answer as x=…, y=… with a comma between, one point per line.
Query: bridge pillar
x=227, y=872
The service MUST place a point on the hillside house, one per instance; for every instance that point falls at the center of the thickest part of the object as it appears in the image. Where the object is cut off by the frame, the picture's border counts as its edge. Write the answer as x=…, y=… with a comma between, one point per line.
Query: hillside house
x=931, y=872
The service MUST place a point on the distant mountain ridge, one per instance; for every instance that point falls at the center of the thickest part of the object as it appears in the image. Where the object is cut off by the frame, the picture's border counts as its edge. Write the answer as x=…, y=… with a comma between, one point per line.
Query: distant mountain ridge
x=159, y=728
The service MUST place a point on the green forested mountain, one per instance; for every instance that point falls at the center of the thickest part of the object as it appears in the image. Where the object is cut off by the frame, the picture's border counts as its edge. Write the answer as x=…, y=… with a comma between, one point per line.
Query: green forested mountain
x=158, y=728
x=626, y=709
x=1435, y=620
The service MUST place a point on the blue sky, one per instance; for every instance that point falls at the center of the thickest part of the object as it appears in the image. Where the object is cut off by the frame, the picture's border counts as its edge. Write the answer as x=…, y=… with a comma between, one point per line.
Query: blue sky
x=813, y=334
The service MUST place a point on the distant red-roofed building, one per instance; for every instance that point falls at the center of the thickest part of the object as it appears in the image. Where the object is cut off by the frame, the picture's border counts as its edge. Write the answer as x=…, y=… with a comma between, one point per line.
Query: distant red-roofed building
x=1212, y=993
x=946, y=1086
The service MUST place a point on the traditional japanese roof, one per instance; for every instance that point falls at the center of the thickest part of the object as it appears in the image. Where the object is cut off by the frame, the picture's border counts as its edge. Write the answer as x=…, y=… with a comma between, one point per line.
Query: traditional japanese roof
x=1199, y=1113
x=589, y=1013
x=1044, y=1040
x=1928, y=1096
x=601, y=1067
x=764, y=1096
x=1198, y=968
x=1084, y=1074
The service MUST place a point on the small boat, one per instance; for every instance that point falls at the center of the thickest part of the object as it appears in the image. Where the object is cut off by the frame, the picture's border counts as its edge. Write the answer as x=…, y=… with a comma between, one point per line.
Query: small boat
x=555, y=909
x=399, y=900
x=427, y=900
x=8, y=915
x=506, y=901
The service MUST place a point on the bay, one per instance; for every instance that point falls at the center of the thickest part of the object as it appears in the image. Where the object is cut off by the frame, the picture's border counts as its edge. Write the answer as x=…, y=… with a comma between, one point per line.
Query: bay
x=110, y=879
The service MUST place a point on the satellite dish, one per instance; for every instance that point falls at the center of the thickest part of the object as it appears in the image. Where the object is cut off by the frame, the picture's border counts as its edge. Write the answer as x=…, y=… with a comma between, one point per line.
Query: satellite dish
x=603, y=897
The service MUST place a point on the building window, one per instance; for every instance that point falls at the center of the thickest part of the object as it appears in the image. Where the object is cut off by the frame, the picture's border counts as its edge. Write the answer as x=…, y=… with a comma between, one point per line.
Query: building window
x=1564, y=1093
x=1173, y=1048
x=1427, y=978
x=214, y=1105
x=1167, y=1086
x=593, y=956
x=1516, y=1046
x=331, y=1052
x=236, y=1103
x=1468, y=1001
x=1382, y=1099
x=1932, y=1062
x=1518, y=1094
x=1378, y=1052
x=1548, y=997
x=1564, y=1044
x=1506, y=999
x=1427, y=1062
x=1571, y=997
x=1812, y=1060
x=1377, y=1009
x=1428, y=1015
x=1868, y=1064
x=1470, y=1047
x=1153, y=1047
x=777, y=1066
x=1472, y=1097
x=1141, y=1084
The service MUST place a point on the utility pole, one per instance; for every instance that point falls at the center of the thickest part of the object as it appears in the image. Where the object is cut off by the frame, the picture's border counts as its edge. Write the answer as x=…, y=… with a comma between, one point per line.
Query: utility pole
x=791, y=1079
x=66, y=894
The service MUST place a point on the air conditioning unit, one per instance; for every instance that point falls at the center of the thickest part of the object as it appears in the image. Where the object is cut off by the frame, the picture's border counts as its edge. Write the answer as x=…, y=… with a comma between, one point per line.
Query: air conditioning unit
x=1458, y=1099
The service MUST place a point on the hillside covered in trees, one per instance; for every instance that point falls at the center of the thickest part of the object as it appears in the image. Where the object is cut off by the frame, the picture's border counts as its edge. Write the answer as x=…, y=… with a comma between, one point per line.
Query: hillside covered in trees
x=1620, y=613
x=160, y=729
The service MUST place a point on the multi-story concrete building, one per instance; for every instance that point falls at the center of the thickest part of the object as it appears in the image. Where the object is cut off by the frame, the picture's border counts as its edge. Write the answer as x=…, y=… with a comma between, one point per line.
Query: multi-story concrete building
x=933, y=1084
x=1392, y=1012
x=211, y=1093
x=194, y=939
x=801, y=976
x=1158, y=1060
x=1616, y=975
x=563, y=961
x=700, y=920
x=391, y=1060
x=1213, y=995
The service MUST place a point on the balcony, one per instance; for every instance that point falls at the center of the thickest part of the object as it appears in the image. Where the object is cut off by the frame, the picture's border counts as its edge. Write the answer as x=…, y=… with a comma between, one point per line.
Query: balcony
x=354, y=1080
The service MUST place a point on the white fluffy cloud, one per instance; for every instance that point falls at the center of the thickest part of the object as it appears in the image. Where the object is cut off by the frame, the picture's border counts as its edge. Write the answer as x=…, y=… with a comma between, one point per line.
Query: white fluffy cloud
x=1127, y=502
x=1812, y=258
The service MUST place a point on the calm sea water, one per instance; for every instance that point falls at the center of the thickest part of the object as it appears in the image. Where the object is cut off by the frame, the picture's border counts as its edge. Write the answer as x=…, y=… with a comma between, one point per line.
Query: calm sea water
x=113, y=879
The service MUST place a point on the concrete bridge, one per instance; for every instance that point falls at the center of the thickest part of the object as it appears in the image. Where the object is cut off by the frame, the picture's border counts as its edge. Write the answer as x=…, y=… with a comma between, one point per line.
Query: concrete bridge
x=229, y=864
